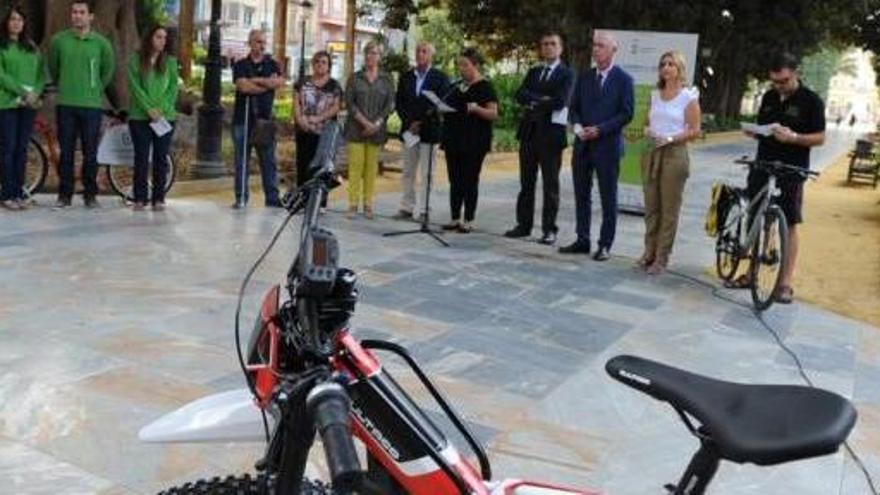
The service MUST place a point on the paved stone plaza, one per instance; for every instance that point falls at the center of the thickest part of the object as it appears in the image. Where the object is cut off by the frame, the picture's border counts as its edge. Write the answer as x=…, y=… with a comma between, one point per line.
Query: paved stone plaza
x=111, y=318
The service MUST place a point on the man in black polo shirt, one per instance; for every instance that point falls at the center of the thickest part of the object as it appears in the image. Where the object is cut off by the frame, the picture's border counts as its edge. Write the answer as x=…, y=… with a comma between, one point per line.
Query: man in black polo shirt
x=256, y=78
x=800, y=117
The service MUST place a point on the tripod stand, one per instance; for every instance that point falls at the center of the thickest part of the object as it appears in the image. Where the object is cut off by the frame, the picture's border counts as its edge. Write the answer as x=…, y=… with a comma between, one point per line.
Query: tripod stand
x=424, y=228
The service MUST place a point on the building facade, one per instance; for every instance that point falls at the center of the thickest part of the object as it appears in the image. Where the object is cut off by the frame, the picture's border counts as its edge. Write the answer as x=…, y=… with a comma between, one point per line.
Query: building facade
x=324, y=25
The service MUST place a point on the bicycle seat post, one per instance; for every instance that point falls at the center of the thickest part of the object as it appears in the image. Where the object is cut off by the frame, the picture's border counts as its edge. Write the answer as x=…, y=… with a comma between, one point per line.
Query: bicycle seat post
x=700, y=471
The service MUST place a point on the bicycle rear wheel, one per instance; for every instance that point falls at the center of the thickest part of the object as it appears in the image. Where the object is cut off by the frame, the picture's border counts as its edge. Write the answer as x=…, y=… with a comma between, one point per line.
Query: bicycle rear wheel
x=768, y=257
x=121, y=179
x=36, y=168
x=728, y=243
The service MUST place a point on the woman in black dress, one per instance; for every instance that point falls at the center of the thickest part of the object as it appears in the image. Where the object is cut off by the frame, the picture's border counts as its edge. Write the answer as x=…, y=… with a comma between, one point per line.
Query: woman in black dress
x=467, y=137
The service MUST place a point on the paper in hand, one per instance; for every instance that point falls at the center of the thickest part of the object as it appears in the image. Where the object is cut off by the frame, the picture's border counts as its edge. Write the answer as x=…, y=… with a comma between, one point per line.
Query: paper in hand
x=410, y=139
x=760, y=130
x=442, y=107
x=560, y=116
x=161, y=127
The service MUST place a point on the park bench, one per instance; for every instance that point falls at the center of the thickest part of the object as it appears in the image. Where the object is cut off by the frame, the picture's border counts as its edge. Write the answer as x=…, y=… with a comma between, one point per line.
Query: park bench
x=863, y=163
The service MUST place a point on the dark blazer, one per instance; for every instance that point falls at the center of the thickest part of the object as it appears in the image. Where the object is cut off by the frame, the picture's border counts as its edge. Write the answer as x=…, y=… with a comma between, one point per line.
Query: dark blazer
x=610, y=108
x=411, y=107
x=541, y=99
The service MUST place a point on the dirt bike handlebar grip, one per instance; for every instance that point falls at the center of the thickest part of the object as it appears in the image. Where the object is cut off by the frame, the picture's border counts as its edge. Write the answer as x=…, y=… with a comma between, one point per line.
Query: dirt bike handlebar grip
x=329, y=406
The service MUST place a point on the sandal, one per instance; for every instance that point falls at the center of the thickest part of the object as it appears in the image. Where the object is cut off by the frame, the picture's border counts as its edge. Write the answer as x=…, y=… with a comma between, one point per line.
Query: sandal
x=784, y=295
x=645, y=261
x=741, y=282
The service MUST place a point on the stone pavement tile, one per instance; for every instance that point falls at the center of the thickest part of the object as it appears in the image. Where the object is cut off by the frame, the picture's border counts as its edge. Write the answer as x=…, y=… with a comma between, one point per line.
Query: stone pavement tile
x=854, y=480
x=743, y=319
x=867, y=384
x=27, y=470
x=820, y=358
x=393, y=267
x=388, y=296
x=817, y=476
x=458, y=312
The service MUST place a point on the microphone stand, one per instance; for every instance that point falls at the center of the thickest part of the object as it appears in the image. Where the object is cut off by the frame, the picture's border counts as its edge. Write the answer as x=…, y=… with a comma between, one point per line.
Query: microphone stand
x=425, y=227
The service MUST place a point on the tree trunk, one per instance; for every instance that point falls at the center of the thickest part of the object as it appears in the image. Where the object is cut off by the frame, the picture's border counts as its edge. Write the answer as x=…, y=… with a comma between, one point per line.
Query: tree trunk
x=115, y=20
x=185, y=27
x=279, y=34
x=350, y=37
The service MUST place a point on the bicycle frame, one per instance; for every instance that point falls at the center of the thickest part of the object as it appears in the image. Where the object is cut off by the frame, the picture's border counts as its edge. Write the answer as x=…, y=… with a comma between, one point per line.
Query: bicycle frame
x=754, y=209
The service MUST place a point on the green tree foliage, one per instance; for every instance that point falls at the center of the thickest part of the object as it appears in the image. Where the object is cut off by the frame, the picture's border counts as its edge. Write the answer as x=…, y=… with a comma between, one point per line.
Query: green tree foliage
x=447, y=37
x=819, y=67
x=736, y=37
x=151, y=13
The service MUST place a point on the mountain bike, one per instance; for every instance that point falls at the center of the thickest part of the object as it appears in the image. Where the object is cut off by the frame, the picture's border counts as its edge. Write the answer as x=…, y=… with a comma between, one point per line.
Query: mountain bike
x=44, y=153
x=755, y=229
x=309, y=376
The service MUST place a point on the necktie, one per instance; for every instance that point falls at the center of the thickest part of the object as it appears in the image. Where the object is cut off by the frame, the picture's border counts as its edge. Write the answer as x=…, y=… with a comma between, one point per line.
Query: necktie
x=599, y=79
x=545, y=74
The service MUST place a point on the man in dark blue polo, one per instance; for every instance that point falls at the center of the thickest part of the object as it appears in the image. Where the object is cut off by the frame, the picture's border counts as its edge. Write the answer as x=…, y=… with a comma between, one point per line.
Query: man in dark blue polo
x=601, y=106
x=256, y=78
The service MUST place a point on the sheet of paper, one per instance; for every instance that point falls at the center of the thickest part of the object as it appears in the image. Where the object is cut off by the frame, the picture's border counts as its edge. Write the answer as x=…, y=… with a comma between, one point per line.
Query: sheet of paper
x=440, y=104
x=560, y=116
x=161, y=127
x=761, y=130
x=410, y=139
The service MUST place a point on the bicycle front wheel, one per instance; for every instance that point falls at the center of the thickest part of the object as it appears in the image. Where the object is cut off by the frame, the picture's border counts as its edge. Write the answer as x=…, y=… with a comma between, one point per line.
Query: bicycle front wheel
x=36, y=168
x=728, y=243
x=121, y=178
x=768, y=257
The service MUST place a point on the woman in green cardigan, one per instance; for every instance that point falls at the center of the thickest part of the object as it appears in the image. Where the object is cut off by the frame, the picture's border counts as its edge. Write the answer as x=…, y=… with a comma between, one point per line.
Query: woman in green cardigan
x=152, y=84
x=22, y=77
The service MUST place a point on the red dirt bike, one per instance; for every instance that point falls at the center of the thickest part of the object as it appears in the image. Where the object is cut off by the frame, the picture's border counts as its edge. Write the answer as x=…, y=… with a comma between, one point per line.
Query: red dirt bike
x=307, y=374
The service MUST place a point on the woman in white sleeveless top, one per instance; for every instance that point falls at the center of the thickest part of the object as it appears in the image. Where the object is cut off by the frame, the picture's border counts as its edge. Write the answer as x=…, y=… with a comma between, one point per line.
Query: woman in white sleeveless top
x=673, y=120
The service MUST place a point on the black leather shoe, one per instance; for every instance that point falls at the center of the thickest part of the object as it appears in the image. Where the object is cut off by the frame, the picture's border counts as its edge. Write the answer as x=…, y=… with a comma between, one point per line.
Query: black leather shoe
x=576, y=247
x=601, y=254
x=517, y=232
x=549, y=238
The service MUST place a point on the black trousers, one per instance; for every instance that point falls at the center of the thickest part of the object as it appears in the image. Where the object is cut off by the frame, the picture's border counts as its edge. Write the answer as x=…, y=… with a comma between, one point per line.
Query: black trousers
x=535, y=154
x=463, y=168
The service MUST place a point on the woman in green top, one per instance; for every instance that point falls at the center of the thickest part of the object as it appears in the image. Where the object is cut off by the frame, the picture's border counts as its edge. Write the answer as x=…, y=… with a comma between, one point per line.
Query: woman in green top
x=21, y=83
x=152, y=84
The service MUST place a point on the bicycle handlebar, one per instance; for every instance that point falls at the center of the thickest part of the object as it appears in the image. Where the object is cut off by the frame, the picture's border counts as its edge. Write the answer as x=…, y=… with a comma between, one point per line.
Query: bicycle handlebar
x=329, y=406
x=776, y=166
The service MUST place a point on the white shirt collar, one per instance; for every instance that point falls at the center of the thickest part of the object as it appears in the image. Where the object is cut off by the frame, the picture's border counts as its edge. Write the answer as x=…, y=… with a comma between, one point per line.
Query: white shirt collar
x=606, y=71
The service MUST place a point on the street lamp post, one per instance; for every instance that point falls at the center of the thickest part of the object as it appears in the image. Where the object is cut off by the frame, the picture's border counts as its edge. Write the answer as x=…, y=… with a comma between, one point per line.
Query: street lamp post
x=305, y=8
x=209, y=159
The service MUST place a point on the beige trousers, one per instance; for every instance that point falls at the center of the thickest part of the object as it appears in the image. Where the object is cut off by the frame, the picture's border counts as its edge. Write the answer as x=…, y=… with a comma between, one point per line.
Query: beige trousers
x=664, y=172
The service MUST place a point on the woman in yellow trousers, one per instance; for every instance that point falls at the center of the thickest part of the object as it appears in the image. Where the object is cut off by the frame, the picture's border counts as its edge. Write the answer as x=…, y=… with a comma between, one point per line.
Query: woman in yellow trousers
x=369, y=96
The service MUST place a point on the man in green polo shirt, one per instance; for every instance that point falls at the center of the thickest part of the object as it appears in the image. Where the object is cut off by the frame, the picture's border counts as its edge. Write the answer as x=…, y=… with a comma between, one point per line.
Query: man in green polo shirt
x=81, y=62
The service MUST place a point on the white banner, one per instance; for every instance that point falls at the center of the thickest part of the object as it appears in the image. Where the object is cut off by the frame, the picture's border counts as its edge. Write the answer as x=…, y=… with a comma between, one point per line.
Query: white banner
x=638, y=53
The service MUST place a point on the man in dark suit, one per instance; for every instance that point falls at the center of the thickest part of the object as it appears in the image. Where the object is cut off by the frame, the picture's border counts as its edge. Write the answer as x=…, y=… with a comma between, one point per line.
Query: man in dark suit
x=416, y=117
x=601, y=105
x=544, y=93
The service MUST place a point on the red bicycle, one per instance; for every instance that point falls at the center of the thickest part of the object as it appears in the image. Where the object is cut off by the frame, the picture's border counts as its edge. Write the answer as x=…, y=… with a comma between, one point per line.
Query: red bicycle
x=307, y=375
x=44, y=153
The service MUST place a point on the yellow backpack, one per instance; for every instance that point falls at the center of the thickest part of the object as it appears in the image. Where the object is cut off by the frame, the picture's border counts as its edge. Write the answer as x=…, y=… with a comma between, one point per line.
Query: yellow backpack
x=720, y=200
